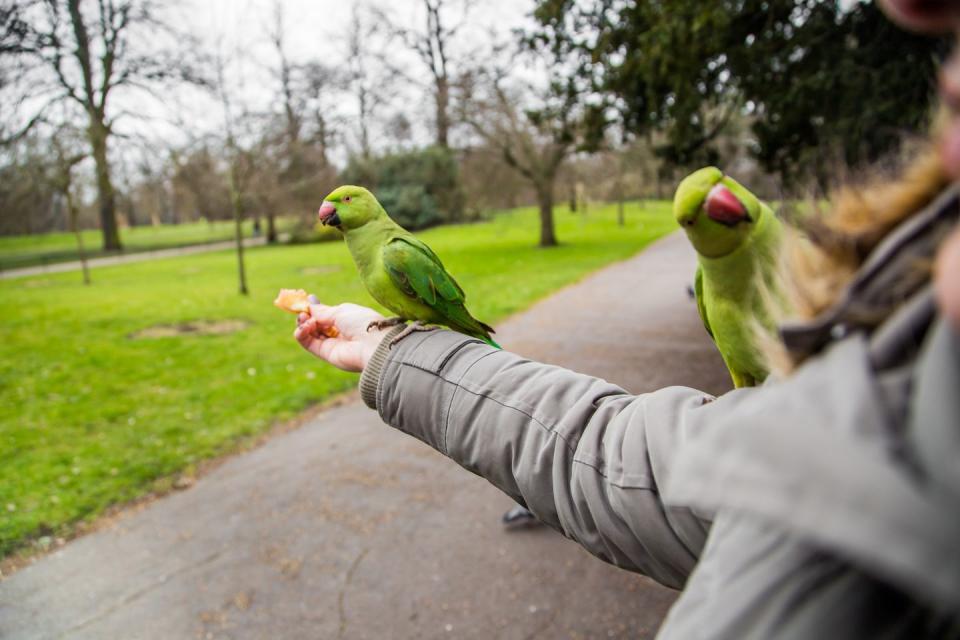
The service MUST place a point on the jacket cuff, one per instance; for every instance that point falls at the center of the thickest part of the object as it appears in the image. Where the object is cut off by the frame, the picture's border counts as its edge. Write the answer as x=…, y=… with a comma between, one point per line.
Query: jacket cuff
x=370, y=378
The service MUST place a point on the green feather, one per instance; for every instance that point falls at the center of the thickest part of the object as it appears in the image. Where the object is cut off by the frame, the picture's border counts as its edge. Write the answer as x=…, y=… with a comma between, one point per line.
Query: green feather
x=698, y=294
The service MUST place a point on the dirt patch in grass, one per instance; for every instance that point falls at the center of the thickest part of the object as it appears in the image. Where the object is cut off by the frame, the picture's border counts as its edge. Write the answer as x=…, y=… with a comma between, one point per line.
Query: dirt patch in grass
x=192, y=328
x=36, y=283
x=320, y=269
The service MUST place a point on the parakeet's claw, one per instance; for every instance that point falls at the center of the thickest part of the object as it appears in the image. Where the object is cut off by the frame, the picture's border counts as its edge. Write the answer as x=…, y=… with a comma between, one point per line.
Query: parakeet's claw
x=416, y=326
x=385, y=323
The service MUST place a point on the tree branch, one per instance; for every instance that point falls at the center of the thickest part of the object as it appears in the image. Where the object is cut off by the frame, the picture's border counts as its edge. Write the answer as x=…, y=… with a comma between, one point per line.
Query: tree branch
x=82, y=53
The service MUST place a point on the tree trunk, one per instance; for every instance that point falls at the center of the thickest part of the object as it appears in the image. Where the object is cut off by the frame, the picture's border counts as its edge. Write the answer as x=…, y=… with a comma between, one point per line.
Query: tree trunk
x=237, y=206
x=620, y=193
x=105, y=194
x=271, y=229
x=661, y=178
x=322, y=137
x=443, y=117
x=364, y=125
x=75, y=227
x=132, y=219
x=548, y=236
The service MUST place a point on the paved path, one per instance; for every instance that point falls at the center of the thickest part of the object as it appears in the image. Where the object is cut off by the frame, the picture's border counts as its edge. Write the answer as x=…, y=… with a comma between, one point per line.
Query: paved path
x=345, y=528
x=139, y=256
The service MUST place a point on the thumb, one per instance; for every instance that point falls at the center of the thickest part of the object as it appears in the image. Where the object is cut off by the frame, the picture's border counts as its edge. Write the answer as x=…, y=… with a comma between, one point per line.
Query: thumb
x=323, y=314
x=323, y=317
x=320, y=311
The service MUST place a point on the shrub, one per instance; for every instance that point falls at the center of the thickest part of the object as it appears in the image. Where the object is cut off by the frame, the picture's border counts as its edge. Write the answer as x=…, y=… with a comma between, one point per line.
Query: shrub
x=419, y=188
x=307, y=231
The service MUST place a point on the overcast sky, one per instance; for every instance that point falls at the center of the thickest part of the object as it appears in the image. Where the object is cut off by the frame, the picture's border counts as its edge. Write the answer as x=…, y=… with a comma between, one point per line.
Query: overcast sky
x=313, y=30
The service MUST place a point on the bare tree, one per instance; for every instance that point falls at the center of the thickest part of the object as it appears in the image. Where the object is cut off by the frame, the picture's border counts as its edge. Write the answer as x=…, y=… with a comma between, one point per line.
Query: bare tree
x=433, y=46
x=318, y=80
x=14, y=30
x=83, y=53
x=369, y=79
x=536, y=140
x=199, y=187
x=234, y=159
x=67, y=156
x=293, y=152
x=292, y=110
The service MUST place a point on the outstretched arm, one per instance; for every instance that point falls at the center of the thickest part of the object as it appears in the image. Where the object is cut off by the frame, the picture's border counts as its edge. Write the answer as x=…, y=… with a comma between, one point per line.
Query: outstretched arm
x=585, y=456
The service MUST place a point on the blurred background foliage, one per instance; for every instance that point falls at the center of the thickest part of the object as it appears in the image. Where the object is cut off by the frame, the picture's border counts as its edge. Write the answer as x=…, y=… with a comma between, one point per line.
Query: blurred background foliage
x=420, y=188
x=785, y=94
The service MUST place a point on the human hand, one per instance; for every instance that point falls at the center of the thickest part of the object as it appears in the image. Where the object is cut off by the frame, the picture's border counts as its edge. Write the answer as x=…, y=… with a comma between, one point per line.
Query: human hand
x=353, y=347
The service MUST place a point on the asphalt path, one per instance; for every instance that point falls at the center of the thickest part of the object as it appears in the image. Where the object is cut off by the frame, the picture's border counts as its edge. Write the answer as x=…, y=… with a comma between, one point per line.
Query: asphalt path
x=127, y=258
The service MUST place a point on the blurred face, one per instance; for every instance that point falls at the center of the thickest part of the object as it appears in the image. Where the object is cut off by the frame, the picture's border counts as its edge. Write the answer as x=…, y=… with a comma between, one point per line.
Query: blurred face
x=937, y=17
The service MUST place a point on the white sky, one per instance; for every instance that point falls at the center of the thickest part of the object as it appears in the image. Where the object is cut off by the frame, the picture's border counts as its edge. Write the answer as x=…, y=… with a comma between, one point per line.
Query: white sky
x=313, y=29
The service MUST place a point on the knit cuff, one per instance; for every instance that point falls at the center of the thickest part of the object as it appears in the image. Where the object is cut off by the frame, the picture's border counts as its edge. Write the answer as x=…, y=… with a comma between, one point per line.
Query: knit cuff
x=370, y=378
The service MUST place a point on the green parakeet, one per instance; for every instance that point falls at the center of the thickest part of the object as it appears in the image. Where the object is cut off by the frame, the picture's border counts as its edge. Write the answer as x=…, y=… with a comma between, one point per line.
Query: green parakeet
x=736, y=238
x=400, y=272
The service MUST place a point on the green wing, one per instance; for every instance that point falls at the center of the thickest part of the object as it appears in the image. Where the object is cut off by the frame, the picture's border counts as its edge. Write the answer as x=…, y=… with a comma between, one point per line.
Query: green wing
x=418, y=272
x=698, y=294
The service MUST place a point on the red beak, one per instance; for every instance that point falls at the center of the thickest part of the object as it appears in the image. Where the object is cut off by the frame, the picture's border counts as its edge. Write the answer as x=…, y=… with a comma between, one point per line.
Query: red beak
x=724, y=207
x=326, y=212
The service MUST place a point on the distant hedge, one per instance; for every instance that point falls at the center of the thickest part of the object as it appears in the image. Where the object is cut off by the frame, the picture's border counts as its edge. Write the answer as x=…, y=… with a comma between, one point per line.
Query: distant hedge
x=419, y=188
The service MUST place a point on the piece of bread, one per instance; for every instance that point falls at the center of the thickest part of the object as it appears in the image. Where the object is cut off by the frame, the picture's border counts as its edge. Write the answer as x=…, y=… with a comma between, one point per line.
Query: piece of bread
x=293, y=300
x=296, y=301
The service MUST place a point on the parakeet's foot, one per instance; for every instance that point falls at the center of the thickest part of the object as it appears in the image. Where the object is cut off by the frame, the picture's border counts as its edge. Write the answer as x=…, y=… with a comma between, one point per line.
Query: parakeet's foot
x=416, y=326
x=385, y=323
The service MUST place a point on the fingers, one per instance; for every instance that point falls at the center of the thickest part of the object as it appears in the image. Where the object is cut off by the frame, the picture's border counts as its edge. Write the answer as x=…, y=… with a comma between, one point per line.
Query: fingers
x=309, y=332
x=304, y=335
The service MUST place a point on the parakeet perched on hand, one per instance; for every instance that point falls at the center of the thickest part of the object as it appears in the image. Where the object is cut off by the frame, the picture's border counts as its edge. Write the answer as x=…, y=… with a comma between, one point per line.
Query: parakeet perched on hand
x=736, y=238
x=400, y=272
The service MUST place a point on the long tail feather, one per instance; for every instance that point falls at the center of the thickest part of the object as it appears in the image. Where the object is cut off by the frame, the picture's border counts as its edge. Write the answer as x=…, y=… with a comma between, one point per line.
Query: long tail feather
x=492, y=343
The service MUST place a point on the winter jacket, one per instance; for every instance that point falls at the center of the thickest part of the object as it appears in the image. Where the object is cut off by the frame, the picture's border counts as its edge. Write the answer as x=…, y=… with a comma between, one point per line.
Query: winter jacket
x=825, y=504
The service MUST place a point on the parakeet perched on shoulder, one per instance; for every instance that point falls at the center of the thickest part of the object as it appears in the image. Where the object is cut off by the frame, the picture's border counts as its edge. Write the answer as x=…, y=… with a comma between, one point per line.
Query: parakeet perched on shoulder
x=736, y=237
x=400, y=272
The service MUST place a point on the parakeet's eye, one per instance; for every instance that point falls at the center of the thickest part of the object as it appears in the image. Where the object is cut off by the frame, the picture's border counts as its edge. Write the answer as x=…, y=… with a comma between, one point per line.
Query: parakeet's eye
x=347, y=198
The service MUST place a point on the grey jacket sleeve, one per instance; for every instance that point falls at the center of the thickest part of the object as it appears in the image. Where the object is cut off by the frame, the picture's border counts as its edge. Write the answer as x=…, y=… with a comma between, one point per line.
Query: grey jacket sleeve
x=584, y=455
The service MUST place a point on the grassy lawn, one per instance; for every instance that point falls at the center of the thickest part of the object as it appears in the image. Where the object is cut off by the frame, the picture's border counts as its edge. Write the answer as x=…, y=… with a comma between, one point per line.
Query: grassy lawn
x=90, y=416
x=49, y=248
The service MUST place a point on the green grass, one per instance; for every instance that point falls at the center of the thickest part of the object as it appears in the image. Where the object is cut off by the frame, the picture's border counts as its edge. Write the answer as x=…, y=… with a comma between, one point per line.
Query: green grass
x=49, y=248
x=90, y=417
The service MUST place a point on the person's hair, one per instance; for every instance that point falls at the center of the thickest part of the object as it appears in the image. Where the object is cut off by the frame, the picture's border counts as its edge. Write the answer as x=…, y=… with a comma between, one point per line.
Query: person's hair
x=822, y=252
